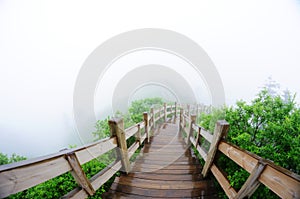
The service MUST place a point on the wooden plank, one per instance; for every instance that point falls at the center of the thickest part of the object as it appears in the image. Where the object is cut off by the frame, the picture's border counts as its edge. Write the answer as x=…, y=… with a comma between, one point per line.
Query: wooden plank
x=162, y=177
x=94, y=151
x=29, y=175
x=97, y=180
x=157, y=193
x=138, y=166
x=221, y=130
x=132, y=149
x=274, y=177
x=79, y=174
x=102, y=177
x=131, y=131
x=62, y=153
x=196, y=127
x=223, y=181
x=207, y=135
x=199, y=149
x=243, y=159
x=252, y=182
x=142, y=125
x=283, y=185
x=153, y=184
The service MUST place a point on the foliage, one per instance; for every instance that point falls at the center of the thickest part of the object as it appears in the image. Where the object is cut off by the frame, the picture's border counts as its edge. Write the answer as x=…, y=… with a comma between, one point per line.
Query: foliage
x=269, y=127
x=4, y=159
x=139, y=106
x=134, y=116
x=208, y=121
x=102, y=129
x=61, y=185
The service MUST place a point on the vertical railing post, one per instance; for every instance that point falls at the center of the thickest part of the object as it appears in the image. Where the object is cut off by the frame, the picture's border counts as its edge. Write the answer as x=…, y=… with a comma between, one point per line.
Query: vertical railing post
x=180, y=118
x=175, y=111
x=138, y=135
x=117, y=129
x=192, y=121
x=188, y=110
x=146, y=122
x=165, y=112
x=220, y=132
x=153, y=117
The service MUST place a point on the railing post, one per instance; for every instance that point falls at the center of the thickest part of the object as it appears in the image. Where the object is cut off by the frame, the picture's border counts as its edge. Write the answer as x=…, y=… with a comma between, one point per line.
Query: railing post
x=188, y=110
x=175, y=114
x=181, y=119
x=220, y=131
x=138, y=134
x=153, y=117
x=79, y=174
x=192, y=121
x=252, y=182
x=117, y=129
x=146, y=121
x=165, y=112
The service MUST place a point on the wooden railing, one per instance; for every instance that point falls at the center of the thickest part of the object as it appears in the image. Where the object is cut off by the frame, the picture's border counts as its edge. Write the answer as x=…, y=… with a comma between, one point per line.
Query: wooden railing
x=22, y=175
x=281, y=181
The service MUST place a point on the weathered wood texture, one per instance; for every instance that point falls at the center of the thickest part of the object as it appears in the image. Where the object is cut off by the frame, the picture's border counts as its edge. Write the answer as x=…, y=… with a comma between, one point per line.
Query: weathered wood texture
x=221, y=130
x=117, y=129
x=261, y=171
x=281, y=181
x=166, y=168
x=19, y=176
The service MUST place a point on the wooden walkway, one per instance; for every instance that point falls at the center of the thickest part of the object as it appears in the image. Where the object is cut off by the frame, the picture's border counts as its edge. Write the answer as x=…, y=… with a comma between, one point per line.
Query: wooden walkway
x=166, y=168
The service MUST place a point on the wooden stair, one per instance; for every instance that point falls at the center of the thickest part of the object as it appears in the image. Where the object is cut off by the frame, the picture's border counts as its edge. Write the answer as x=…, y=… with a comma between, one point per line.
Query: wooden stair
x=165, y=168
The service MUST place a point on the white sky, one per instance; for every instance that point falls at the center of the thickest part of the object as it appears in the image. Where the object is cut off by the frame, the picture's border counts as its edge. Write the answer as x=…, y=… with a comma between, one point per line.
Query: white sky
x=44, y=43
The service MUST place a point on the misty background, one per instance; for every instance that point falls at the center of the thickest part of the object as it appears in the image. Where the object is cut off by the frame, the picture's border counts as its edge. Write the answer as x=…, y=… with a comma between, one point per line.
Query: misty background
x=43, y=45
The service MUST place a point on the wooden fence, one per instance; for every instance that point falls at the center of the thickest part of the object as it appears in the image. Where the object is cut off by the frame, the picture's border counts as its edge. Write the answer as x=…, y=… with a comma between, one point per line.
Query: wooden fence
x=22, y=175
x=281, y=181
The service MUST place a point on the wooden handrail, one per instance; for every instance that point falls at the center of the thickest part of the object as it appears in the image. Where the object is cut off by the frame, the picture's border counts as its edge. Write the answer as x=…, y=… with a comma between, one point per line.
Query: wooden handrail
x=283, y=182
x=22, y=175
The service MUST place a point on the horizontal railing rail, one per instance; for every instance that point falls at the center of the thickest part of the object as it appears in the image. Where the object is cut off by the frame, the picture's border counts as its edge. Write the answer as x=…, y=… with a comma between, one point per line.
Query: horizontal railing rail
x=23, y=175
x=281, y=181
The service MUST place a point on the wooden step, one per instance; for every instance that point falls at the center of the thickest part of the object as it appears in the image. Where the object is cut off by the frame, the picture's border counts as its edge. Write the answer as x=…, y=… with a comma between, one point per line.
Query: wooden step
x=157, y=193
x=165, y=168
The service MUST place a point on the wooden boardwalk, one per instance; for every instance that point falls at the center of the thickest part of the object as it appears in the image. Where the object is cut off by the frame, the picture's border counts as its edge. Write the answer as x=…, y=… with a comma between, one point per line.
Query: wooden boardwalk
x=166, y=168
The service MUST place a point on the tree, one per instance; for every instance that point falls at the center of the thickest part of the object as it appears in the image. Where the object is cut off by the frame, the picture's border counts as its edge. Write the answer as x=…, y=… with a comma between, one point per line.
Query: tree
x=269, y=127
x=139, y=106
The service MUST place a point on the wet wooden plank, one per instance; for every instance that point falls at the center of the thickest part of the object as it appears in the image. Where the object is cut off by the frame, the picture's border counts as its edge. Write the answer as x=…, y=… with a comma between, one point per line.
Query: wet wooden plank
x=172, y=193
x=153, y=176
x=153, y=184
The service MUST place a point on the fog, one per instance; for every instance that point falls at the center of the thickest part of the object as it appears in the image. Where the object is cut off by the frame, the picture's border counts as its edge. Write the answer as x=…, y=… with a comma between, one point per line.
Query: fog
x=43, y=45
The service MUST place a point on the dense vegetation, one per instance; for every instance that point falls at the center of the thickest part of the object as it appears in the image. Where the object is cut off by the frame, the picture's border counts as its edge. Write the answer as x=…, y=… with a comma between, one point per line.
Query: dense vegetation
x=61, y=185
x=269, y=126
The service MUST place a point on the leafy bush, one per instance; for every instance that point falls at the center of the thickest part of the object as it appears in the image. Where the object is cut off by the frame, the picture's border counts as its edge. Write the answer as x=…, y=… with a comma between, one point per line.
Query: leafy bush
x=139, y=106
x=61, y=185
x=4, y=159
x=268, y=126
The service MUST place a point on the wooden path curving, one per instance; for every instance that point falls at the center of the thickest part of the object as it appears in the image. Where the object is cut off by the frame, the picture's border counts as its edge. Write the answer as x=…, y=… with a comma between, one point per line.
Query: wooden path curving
x=166, y=168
